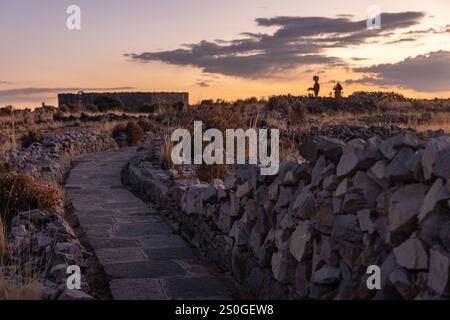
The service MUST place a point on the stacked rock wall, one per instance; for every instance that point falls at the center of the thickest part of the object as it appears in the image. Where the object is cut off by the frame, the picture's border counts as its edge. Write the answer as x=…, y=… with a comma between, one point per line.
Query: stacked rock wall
x=52, y=159
x=312, y=231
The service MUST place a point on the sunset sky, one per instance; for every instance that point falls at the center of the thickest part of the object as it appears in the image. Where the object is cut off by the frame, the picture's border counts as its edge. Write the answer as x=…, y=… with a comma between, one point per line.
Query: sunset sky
x=222, y=49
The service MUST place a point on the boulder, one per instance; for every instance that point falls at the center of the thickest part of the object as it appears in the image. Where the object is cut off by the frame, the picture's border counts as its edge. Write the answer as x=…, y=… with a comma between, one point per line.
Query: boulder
x=353, y=202
x=346, y=228
x=303, y=205
x=317, y=176
x=285, y=196
x=342, y=188
x=438, y=192
x=404, y=206
x=230, y=181
x=300, y=243
x=353, y=158
x=365, y=222
x=436, y=158
x=283, y=267
x=438, y=276
x=390, y=146
x=308, y=150
x=397, y=168
x=244, y=189
x=404, y=284
x=326, y=276
x=411, y=255
x=330, y=147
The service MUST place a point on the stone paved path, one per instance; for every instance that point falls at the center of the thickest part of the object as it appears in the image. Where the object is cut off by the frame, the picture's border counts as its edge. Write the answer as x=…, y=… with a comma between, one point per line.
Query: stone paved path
x=139, y=252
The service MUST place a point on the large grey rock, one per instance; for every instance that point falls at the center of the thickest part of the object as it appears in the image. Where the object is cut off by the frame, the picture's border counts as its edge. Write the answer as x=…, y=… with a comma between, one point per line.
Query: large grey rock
x=404, y=284
x=300, y=243
x=354, y=157
x=283, y=266
x=389, y=147
x=342, y=188
x=397, y=168
x=438, y=276
x=326, y=275
x=346, y=228
x=365, y=222
x=303, y=205
x=437, y=193
x=353, y=202
x=317, y=176
x=330, y=147
x=411, y=255
x=436, y=158
x=404, y=206
x=244, y=189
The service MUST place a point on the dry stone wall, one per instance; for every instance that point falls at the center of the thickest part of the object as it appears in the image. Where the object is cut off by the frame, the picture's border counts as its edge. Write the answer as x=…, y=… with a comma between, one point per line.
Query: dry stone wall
x=52, y=159
x=312, y=231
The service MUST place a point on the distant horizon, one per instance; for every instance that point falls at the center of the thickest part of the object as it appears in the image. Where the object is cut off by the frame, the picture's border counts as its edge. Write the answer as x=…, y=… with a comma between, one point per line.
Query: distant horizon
x=223, y=50
x=15, y=107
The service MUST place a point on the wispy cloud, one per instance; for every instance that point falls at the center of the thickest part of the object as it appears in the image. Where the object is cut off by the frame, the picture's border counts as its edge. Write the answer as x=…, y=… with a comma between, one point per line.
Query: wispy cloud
x=298, y=41
x=428, y=72
x=30, y=91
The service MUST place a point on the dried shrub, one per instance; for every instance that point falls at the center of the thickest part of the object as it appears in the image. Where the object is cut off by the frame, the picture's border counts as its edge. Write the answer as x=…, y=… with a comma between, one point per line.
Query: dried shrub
x=297, y=113
x=21, y=192
x=166, y=152
x=5, y=166
x=32, y=136
x=134, y=133
x=148, y=125
x=3, y=245
x=118, y=130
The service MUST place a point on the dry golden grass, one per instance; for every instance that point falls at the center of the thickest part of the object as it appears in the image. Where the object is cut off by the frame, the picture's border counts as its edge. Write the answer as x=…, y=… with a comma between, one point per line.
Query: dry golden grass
x=19, y=279
x=21, y=192
x=3, y=241
x=165, y=156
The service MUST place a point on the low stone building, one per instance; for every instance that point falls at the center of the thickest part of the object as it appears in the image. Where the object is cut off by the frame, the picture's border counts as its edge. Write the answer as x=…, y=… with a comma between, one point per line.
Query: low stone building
x=132, y=101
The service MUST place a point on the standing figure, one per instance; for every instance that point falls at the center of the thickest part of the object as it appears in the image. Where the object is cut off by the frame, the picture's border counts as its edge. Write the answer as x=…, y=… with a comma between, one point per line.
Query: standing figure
x=338, y=91
x=316, y=87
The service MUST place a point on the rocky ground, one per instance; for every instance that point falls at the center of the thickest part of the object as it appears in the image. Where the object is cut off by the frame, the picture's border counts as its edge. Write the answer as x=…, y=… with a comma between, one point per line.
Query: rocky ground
x=42, y=244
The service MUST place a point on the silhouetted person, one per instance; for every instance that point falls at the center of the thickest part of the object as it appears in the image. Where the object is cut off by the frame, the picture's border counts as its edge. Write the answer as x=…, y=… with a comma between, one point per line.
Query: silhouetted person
x=316, y=87
x=338, y=91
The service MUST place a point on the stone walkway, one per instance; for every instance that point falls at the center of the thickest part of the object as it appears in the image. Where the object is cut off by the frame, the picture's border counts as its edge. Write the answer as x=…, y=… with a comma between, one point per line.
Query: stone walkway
x=139, y=252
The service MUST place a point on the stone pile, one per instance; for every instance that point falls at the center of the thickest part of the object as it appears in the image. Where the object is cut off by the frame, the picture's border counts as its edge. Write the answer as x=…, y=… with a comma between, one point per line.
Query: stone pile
x=46, y=244
x=312, y=231
x=52, y=159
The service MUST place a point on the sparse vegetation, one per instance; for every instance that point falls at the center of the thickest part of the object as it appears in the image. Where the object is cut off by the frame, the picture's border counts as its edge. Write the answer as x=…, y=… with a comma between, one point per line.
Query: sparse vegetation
x=147, y=125
x=134, y=133
x=32, y=136
x=21, y=192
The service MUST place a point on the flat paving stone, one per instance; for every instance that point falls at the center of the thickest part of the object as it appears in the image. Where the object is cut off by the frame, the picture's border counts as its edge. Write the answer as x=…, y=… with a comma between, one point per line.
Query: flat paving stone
x=142, y=229
x=158, y=241
x=137, y=289
x=116, y=255
x=143, y=269
x=142, y=257
x=114, y=243
x=169, y=253
x=189, y=288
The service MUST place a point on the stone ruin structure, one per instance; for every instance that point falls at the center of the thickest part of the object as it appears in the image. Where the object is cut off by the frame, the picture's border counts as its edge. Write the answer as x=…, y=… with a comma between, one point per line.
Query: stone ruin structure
x=132, y=101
